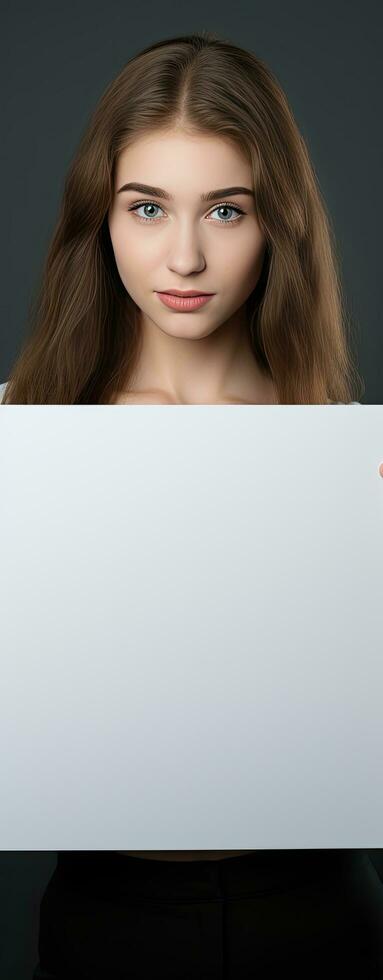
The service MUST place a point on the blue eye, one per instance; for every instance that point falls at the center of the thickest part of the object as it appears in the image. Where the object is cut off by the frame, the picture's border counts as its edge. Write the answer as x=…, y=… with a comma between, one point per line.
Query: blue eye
x=143, y=204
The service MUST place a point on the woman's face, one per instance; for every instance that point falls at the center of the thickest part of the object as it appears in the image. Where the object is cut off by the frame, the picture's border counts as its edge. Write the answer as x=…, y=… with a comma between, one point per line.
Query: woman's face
x=190, y=243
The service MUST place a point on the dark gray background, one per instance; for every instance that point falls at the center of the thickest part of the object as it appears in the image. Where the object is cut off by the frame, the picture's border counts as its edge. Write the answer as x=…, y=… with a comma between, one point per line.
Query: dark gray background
x=56, y=60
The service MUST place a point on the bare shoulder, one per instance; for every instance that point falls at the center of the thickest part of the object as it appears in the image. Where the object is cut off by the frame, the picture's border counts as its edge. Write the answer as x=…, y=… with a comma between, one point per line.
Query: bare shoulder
x=142, y=398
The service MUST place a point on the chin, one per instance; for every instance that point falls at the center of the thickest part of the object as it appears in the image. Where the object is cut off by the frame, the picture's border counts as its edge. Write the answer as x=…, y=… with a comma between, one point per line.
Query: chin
x=186, y=332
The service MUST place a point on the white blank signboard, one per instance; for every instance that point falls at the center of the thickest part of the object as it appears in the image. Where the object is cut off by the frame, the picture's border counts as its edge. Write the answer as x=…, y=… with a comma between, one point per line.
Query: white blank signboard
x=191, y=627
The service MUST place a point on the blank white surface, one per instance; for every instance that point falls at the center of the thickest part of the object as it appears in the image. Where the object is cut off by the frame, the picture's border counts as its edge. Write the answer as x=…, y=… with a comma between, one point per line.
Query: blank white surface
x=191, y=627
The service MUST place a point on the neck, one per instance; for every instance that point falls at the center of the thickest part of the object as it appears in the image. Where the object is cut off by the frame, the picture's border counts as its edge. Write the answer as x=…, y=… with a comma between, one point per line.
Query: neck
x=220, y=367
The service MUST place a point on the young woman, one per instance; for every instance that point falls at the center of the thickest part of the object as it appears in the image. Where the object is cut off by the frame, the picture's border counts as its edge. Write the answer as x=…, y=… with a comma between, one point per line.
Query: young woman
x=192, y=177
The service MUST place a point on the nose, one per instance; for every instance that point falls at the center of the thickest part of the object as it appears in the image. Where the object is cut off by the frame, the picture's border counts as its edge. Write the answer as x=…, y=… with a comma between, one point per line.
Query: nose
x=186, y=255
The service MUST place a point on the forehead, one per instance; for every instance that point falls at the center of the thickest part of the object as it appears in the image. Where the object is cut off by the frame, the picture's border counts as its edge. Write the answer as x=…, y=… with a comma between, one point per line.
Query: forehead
x=168, y=158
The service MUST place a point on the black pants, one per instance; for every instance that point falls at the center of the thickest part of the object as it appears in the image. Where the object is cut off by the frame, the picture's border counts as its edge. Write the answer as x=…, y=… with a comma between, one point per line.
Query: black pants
x=315, y=914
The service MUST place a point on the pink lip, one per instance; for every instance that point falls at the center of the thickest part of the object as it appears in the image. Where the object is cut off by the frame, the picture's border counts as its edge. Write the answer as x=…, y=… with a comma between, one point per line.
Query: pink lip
x=184, y=303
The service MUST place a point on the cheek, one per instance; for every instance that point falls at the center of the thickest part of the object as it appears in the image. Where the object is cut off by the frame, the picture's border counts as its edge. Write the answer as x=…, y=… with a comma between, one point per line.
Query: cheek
x=244, y=273
x=253, y=262
x=133, y=268
x=126, y=254
x=133, y=250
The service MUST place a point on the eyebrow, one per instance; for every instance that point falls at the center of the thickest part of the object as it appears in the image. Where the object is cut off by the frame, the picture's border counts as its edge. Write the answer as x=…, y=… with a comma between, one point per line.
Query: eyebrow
x=159, y=192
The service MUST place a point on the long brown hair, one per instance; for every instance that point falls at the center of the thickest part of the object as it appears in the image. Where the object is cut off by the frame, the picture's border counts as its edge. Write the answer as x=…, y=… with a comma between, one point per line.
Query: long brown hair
x=83, y=336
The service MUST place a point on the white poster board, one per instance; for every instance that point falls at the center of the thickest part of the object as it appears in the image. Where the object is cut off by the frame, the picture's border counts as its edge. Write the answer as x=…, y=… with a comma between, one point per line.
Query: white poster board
x=191, y=627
